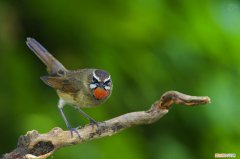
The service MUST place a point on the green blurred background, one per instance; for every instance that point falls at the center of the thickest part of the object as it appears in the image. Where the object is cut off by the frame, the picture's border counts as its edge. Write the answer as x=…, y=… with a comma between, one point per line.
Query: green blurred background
x=149, y=47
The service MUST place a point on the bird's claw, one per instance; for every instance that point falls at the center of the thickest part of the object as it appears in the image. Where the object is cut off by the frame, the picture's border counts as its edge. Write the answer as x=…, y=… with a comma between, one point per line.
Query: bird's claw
x=93, y=123
x=74, y=130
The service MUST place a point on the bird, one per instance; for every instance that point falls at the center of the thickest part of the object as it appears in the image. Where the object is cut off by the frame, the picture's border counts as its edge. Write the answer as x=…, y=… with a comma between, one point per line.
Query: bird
x=82, y=88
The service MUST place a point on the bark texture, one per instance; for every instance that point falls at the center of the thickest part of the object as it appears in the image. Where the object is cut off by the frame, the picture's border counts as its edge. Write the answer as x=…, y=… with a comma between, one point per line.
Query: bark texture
x=40, y=146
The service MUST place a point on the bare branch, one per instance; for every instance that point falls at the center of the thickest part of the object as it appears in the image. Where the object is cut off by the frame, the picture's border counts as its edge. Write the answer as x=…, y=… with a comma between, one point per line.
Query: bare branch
x=40, y=146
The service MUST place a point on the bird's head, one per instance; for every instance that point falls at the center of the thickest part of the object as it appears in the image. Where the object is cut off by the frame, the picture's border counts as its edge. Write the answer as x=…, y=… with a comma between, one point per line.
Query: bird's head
x=101, y=84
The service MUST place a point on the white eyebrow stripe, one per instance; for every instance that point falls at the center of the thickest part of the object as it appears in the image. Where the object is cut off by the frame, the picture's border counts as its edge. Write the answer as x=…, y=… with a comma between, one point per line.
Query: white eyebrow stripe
x=95, y=76
x=92, y=86
x=107, y=79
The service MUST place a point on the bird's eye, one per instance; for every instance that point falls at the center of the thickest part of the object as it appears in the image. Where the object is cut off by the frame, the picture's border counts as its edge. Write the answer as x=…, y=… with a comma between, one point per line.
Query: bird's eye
x=107, y=82
x=94, y=80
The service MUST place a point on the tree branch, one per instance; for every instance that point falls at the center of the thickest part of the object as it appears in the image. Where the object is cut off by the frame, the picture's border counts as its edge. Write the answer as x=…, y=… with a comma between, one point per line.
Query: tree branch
x=40, y=146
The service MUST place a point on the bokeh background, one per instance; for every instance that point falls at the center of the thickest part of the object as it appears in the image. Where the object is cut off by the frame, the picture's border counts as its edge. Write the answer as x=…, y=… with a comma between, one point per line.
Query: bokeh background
x=149, y=47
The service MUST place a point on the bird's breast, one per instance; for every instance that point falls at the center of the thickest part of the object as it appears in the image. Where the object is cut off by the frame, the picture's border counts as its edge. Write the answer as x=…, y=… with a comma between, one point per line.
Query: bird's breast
x=79, y=99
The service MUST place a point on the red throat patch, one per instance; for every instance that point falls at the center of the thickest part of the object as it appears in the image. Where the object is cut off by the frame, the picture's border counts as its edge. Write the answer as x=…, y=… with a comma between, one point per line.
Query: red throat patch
x=100, y=93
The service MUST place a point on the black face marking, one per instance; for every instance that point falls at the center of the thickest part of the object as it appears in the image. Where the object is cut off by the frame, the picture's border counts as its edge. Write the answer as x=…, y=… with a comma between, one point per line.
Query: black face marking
x=101, y=79
x=94, y=80
x=107, y=82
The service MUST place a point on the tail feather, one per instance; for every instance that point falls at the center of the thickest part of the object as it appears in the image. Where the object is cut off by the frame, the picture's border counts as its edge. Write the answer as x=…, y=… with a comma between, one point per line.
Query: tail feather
x=53, y=65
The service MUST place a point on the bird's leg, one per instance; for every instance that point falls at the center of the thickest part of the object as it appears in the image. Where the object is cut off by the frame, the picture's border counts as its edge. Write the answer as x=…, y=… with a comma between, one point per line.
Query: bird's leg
x=91, y=120
x=60, y=107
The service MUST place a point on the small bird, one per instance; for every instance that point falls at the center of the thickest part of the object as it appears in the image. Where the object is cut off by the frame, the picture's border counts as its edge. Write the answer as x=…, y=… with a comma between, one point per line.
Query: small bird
x=83, y=88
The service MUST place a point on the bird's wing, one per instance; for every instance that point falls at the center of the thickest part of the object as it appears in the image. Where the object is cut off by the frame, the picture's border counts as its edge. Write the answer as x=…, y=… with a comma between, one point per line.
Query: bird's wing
x=62, y=83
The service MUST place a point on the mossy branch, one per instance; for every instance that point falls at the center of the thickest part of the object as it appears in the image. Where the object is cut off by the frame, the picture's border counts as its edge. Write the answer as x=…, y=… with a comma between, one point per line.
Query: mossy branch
x=40, y=146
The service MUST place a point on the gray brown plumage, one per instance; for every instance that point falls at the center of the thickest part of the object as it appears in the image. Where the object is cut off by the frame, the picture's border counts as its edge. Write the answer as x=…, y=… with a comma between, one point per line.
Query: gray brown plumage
x=79, y=88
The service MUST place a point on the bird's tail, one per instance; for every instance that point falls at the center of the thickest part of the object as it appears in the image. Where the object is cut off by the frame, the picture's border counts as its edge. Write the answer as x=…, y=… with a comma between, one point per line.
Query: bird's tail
x=53, y=65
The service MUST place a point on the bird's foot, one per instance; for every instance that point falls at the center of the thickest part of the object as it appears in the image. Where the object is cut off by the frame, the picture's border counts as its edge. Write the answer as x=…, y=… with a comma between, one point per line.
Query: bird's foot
x=93, y=123
x=74, y=130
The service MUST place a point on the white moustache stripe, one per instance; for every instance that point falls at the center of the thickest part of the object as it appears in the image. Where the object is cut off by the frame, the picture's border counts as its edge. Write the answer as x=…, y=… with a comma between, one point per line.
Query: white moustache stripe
x=92, y=86
x=107, y=87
